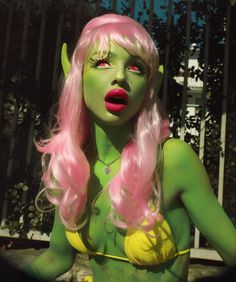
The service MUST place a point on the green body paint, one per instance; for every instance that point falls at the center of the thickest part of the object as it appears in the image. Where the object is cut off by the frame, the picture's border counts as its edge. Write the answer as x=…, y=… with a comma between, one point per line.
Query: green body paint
x=117, y=70
x=186, y=191
x=64, y=60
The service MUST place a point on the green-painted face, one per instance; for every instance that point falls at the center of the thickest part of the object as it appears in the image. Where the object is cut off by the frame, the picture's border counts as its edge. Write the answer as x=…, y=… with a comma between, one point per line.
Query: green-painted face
x=115, y=85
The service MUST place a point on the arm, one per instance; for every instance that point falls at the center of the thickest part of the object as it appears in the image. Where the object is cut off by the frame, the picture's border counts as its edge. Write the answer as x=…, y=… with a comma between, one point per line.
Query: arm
x=200, y=202
x=57, y=259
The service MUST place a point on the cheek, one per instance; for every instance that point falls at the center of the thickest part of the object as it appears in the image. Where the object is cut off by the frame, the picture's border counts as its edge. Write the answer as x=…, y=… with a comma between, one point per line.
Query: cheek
x=90, y=90
x=88, y=84
x=93, y=92
x=137, y=98
x=138, y=91
x=95, y=83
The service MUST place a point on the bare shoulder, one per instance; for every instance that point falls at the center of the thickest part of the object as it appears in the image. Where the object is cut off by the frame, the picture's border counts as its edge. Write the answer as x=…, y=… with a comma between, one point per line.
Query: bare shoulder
x=183, y=165
x=176, y=151
x=175, y=144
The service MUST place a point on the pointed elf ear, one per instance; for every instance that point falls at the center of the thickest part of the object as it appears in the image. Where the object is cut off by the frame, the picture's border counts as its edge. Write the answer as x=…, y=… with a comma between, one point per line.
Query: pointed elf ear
x=159, y=78
x=64, y=60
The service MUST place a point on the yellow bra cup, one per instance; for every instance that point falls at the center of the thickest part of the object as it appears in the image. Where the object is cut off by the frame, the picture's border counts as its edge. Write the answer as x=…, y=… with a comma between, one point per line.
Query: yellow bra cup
x=150, y=248
x=141, y=248
x=76, y=242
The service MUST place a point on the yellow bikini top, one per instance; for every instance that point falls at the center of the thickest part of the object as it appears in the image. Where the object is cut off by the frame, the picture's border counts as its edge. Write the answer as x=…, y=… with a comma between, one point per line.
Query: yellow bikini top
x=141, y=248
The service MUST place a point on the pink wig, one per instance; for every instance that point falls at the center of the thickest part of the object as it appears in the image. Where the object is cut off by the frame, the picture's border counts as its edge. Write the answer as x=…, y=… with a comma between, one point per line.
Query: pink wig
x=67, y=172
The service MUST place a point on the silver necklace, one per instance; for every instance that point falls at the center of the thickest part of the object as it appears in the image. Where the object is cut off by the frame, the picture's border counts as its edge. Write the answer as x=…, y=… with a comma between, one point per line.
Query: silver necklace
x=107, y=165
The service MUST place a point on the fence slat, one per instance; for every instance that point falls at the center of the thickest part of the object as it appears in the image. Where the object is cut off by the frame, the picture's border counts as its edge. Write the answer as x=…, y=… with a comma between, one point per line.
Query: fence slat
x=57, y=50
x=28, y=7
x=41, y=41
x=8, y=34
x=150, y=16
x=4, y=64
x=224, y=109
x=205, y=254
x=186, y=60
x=203, y=104
x=167, y=53
x=97, y=7
x=132, y=8
x=10, y=157
x=79, y=10
x=113, y=5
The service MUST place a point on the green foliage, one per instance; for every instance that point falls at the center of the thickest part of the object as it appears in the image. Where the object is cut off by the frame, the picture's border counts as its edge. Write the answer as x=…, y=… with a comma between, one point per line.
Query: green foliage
x=23, y=216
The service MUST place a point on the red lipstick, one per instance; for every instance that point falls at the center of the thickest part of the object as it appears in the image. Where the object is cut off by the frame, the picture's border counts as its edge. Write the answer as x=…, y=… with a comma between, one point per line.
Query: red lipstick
x=116, y=100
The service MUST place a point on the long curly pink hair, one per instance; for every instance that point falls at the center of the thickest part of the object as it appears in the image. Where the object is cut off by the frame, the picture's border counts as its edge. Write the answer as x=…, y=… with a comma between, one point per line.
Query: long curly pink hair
x=67, y=172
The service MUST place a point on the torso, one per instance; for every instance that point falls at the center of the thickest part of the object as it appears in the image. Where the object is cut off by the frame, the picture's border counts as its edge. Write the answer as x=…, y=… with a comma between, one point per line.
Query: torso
x=101, y=235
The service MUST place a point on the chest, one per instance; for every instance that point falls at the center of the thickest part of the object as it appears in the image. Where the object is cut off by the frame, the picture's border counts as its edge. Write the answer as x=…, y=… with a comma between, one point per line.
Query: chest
x=102, y=235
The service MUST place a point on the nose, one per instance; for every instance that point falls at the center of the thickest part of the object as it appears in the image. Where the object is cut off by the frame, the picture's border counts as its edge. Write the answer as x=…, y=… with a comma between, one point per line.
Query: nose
x=120, y=76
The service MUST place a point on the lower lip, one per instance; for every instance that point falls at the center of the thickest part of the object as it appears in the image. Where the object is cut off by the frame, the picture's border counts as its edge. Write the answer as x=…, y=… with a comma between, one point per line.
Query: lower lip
x=115, y=108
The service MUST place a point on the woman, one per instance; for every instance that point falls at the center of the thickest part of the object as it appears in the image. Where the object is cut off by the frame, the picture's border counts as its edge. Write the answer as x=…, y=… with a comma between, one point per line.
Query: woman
x=124, y=191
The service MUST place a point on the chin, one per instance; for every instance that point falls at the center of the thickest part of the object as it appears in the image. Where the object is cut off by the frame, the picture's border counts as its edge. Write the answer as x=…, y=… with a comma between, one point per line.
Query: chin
x=112, y=119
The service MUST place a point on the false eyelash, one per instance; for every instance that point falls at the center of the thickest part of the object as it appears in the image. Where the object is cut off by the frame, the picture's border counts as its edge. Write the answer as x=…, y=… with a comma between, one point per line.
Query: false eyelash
x=140, y=66
x=95, y=62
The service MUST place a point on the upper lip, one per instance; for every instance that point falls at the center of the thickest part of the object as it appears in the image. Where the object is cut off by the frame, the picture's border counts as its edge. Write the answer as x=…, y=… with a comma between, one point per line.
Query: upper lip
x=117, y=93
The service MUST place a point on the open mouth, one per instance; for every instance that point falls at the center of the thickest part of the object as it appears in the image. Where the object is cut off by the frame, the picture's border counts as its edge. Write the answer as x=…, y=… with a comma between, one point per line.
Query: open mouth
x=116, y=100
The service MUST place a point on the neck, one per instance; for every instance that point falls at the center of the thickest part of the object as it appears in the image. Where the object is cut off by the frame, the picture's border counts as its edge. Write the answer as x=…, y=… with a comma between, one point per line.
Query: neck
x=108, y=141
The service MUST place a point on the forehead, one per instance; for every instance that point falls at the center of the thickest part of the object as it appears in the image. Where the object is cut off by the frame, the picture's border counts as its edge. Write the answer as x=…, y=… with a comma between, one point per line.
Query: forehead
x=113, y=50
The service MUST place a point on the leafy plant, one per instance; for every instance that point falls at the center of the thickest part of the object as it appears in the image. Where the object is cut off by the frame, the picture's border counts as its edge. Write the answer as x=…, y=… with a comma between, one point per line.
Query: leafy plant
x=23, y=216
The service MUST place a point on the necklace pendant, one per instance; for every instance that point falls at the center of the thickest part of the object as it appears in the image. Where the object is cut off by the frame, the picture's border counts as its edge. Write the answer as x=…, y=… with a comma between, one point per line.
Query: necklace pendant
x=107, y=169
x=107, y=166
